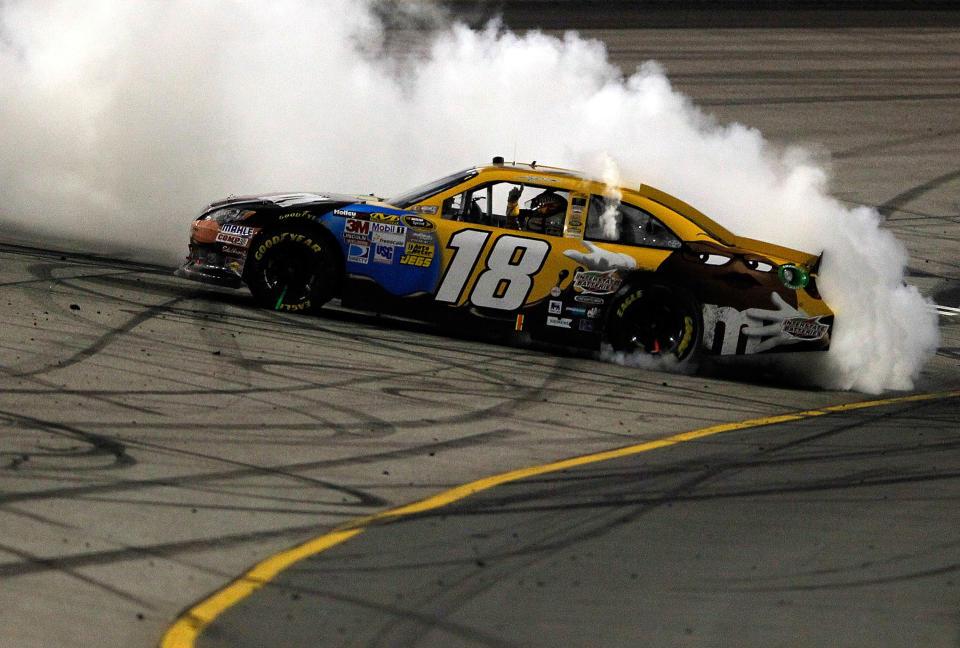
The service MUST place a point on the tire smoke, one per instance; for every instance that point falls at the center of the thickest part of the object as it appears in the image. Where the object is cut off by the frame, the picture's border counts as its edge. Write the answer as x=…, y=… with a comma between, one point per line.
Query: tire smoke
x=122, y=119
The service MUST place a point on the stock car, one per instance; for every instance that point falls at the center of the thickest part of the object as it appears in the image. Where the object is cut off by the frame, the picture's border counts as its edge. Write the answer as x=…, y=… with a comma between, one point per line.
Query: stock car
x=550, y=252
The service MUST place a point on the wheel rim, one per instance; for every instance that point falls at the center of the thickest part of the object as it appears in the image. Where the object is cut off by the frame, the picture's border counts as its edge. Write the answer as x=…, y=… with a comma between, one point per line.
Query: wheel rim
x=289, y=273
x=658, y=324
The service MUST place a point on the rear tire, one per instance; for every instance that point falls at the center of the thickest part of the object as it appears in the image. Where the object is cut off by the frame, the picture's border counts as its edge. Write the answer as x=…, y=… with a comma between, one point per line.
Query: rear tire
x=657, y=319
x=292, y=270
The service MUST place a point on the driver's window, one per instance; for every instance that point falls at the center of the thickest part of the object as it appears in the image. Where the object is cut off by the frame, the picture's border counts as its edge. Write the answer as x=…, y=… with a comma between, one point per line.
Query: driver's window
x=489, y=204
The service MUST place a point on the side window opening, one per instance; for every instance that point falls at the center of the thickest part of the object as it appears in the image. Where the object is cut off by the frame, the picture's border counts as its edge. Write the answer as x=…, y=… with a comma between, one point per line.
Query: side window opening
x=511, y=205
x=623, y=223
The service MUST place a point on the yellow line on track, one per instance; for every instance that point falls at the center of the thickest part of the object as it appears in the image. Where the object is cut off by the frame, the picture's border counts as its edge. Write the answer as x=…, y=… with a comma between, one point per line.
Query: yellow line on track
x=185, y=630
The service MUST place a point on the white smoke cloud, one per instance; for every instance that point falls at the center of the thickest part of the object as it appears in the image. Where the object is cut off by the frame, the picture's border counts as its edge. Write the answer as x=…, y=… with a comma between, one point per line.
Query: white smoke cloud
x=121, y=119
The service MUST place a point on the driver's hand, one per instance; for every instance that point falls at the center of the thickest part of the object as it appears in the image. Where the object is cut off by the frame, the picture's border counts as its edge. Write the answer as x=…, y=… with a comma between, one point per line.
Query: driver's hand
x=514, y=194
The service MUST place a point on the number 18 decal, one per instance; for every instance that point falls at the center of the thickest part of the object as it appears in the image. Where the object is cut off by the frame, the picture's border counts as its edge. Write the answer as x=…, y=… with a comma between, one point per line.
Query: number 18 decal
x=507, y=279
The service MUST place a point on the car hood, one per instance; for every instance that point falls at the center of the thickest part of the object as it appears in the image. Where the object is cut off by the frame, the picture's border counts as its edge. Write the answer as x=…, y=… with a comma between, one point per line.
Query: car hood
x=285, y=200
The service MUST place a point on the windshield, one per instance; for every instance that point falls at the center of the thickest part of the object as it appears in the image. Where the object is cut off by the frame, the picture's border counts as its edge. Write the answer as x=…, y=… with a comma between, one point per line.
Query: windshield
x=423, y=192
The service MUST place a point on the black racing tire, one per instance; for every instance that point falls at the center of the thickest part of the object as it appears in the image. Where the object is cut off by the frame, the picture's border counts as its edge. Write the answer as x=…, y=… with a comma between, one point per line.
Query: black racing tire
x=295, y=270
x=657, y=319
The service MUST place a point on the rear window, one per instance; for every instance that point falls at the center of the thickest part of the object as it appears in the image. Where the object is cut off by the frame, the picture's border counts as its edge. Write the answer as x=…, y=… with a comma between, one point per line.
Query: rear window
x=618, y=222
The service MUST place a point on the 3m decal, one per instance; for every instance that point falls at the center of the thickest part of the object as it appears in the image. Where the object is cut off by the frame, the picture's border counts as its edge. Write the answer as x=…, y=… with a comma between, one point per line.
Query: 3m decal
x=507, y=278
x=356, y=230
x=355, y=226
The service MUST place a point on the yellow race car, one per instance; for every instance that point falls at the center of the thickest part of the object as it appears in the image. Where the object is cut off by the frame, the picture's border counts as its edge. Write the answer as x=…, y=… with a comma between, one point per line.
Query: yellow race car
x=524, y=247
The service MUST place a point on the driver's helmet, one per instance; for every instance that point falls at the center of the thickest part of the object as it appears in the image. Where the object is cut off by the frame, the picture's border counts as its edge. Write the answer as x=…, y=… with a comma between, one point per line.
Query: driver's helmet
x=549, y=204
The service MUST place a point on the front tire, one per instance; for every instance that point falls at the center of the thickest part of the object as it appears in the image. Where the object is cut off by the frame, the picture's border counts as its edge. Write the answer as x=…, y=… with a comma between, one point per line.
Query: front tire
x=292, y=270
x=659, y=320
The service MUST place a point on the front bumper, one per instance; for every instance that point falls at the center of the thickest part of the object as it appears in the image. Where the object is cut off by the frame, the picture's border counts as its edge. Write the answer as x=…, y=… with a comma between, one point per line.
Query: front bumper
x=208, y=264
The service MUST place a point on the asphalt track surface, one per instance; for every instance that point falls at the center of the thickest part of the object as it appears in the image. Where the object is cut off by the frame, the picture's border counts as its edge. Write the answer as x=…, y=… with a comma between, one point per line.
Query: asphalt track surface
x=827, y=531
x=159, y=437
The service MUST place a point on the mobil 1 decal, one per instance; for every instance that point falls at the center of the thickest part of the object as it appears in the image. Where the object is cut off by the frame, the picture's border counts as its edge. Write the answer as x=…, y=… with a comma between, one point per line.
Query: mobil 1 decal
x=375, y=242
x=508, y=269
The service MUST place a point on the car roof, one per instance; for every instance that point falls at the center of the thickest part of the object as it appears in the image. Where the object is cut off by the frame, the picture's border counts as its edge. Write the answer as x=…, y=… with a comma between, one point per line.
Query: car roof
x=669, y=201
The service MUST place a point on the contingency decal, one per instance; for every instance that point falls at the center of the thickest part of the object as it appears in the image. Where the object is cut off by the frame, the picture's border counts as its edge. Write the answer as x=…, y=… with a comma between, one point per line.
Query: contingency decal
x=232, y=234
x=379, y=243
x=596, y=282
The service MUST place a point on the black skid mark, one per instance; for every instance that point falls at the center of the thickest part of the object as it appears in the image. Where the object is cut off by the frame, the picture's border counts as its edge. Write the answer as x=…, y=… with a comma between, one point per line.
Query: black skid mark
x=33, y=564
x=104, y=340
x=92, y=446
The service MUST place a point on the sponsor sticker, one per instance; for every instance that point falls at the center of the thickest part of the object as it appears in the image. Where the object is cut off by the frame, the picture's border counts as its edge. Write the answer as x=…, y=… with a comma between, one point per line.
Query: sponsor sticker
x=586, y=325
x=239, y=230
x=232, y=234
x=593, y=313
x=384, y=218
x=417, y=222
x=413, y=236
x=421, y=249
x=426, y=209
x=555, y=291
x=595, y=282
x=805, y=328
x=383, y=253
x=233, y=239
x=358, y=253
x=416, y=260
x=349, y=213
x=559, y=322
x=235, y=265
x=577, y=310
x=388, y=234
x=555, y=307
x=356, y=230
x=588, y=299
